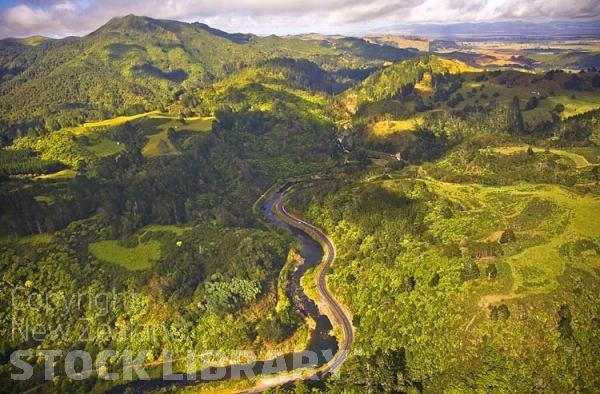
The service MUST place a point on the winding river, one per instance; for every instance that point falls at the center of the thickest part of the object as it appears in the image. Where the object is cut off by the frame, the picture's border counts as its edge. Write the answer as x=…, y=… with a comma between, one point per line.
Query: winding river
x=322, y=343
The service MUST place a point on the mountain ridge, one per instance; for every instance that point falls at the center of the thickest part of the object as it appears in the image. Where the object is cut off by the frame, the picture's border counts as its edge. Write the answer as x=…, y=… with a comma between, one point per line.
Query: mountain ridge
x=133, y=64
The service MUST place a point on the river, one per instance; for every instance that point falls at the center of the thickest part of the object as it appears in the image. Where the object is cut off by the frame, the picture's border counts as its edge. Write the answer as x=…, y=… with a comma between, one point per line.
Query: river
x=321, y=343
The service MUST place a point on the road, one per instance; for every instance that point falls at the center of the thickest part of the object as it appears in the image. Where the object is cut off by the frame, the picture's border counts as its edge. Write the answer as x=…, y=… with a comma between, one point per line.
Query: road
x=340, y=315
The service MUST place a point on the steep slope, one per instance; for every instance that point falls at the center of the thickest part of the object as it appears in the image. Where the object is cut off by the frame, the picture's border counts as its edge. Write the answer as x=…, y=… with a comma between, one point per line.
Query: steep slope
x=134, y=64
x=388, y=82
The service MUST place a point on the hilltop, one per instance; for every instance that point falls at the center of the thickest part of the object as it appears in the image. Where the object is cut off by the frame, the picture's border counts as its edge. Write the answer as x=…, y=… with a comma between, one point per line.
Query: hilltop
x=137, y=64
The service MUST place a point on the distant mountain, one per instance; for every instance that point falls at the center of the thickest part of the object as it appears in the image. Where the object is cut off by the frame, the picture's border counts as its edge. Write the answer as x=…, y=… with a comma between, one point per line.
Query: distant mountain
x=514, y=30
x=407, y=42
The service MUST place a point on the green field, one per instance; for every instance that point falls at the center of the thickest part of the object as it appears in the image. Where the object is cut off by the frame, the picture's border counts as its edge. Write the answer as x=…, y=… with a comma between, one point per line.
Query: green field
x=141, y=257
x=106, y=147
x=525, y=86
x=577, y=159
x=159, y=143
x=82, y=144
x=196, y=123
x=30, y=240
x=575, y=104
x=64, y=174
x=119, y=120
x=537, y=268
x=386, y=127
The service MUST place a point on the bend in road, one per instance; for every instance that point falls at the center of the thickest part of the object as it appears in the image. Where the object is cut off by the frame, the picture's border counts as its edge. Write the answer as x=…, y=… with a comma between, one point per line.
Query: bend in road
x=339, y=313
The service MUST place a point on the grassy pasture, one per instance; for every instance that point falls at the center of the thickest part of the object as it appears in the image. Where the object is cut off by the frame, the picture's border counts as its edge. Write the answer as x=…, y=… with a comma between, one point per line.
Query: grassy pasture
x=119, y=120
x=196, y=123
x=575, y=104
x=155, y=124
x=140, y=257
x=386, y=127
x=164, y=228
x=159, y=143
x=525, y=86
x=137, y=258
x=105, y=147
x=579, y=160
x=30, y=240
x=93, y=140
x=545, y=218
x=64, y=174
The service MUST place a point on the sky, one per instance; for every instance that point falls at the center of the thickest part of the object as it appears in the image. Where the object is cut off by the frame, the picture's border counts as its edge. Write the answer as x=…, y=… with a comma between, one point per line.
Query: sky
x=59, y=18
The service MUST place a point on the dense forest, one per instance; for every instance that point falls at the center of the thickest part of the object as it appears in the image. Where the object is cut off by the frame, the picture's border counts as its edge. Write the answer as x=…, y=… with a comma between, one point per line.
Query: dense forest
x=462, y=203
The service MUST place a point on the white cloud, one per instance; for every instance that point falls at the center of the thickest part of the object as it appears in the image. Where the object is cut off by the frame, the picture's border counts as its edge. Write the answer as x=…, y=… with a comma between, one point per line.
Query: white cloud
x=485, y=10
x=26, y=17
x=64, y=17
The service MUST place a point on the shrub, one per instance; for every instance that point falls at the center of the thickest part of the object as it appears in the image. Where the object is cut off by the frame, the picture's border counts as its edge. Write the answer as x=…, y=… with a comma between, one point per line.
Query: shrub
x=451, y=250
x=491, y=271
x=530, y=151
x=508, y=236
x=500, y=312
x=532, y=103
x=470, y=271
x=559, y=108
x=435, y=280
x=408, y=284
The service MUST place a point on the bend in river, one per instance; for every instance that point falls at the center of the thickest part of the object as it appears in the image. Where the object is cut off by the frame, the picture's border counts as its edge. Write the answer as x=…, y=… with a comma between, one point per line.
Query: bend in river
x=321, y=343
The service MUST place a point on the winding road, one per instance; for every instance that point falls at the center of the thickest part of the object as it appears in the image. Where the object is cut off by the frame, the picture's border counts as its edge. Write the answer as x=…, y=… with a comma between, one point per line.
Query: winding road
x=338, y=312
x=340, y=315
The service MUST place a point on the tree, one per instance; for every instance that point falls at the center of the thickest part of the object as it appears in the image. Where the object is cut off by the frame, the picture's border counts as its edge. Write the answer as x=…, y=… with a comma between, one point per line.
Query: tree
x=564, y=322
x=558, y=108
x=229, y=295
x=362, y=157
x=470, y=271
x=435, y=280
x=515, y=118
x=451, y=250
x=508, y=236
x=446, y=212
x=532, y=103
x=491, y=271
x=500, y=312
x=279, y=327
x=408, y=283
x=300, y=387
x=381, y=372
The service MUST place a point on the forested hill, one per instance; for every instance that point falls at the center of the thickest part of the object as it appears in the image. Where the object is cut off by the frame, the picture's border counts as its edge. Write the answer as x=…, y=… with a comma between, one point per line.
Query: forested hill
x=135, y=64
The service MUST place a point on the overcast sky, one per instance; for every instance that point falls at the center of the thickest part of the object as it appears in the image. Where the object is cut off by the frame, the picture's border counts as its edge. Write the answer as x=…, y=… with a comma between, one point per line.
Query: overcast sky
x=58, y=18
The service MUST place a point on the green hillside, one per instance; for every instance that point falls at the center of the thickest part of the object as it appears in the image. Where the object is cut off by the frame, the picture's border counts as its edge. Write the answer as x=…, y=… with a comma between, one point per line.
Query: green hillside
x=462, y=204
x=138, y=64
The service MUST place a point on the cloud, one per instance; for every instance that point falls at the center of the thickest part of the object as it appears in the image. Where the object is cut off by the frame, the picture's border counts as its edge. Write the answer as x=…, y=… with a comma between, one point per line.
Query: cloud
x=65, y=17
x=362, y=12
x=25, y=18
x=484, y=10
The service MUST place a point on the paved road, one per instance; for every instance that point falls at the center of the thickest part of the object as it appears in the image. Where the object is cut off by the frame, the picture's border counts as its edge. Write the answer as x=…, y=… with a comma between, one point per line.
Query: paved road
x=342, y=318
